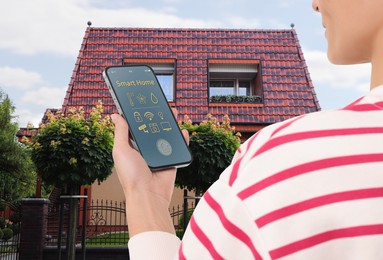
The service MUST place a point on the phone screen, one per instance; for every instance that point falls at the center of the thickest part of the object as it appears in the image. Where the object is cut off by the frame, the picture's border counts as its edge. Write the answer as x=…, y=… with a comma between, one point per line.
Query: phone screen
x=139, y=98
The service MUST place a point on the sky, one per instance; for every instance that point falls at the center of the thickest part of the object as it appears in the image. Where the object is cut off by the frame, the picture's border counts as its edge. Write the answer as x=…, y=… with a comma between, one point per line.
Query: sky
x=40, y=41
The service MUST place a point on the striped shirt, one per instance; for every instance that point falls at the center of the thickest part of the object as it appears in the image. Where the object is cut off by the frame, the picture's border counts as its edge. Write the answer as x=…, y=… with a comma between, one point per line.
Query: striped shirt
x=307, y=188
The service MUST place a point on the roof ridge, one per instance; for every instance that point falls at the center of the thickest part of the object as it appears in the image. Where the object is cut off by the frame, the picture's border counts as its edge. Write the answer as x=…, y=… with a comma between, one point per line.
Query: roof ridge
x=191, y=29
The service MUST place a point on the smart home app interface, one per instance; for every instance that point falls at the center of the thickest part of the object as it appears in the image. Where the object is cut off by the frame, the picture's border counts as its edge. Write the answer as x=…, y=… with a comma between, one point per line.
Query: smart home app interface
x=150, y=119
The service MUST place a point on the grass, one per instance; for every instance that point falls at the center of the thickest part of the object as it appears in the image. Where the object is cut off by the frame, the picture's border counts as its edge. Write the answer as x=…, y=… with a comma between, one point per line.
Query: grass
x=110, y=239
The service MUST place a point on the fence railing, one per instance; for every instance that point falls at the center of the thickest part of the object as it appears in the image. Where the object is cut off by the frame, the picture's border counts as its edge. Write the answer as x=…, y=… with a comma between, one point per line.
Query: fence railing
x=9, y=248
x=105, y=222
x=9, y=231
x=177, y=214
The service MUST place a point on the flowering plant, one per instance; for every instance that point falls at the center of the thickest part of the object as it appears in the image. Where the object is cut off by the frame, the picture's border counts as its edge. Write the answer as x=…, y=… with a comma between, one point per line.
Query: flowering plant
x=8, y=223
x=213, y=145
x=74, y=149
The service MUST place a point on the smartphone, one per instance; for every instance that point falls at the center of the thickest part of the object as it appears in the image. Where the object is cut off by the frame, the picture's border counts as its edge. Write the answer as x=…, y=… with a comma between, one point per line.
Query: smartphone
x=154, y=131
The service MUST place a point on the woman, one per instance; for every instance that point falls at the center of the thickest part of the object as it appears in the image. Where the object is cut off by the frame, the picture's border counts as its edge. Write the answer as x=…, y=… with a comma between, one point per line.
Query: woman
x=322, y=200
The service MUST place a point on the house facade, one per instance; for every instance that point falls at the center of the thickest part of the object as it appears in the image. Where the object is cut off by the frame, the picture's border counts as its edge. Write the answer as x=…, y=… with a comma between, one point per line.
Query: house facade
x=257, y=77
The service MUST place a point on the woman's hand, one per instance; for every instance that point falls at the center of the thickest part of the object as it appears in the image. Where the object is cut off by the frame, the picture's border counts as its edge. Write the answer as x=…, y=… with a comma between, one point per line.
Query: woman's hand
x=147, y=193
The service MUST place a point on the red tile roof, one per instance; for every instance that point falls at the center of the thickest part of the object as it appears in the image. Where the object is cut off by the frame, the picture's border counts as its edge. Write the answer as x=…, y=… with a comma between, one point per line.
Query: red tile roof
x=287, y=87
x=29, y=132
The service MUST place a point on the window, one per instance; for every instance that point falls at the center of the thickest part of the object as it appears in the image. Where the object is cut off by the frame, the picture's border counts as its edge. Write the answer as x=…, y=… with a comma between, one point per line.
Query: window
x=164, y=70
x=230, y=87
x=222, y=87
x=166, y=82
x=234, y=77
x=244, y=88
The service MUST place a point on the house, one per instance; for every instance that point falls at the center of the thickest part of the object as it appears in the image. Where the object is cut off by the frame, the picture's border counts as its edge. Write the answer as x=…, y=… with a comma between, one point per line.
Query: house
x=257, y=77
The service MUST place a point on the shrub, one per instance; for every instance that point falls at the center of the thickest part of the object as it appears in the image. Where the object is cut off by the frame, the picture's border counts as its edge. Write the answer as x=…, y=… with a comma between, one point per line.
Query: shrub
x=180, y=233
x=1, y=234
x=213, y=145
x=181, y=220
x=15, y=205
x=235, y=99
x=2, y=222
x=7, y=233
x=2, y=205
x=73, y=149
x=15, y=217
x=15, y=228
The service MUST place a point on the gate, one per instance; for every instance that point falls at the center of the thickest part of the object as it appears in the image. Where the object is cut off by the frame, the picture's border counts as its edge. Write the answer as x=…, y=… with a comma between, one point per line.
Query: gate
x=9, y=231
x=9, y=248
x=102, y=230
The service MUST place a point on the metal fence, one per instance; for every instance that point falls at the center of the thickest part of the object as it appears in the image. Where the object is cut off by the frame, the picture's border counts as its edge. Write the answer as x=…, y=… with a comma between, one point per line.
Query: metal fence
x=10, y=242
x=102, y=222
x=9, y=248
x=105, y=224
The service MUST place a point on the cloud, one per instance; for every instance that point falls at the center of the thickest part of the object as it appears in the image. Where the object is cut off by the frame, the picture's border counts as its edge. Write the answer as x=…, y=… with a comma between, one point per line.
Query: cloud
x=322, y=72
x=240, y=22
x=25, y=116
x=32, y=105
x=48, y=97
x=31, y=27
x=18, y=78
x=140, y=17
x=289, y=3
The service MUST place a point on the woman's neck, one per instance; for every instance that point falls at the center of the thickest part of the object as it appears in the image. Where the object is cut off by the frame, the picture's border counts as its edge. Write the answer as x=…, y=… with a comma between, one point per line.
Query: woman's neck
x=377, y=61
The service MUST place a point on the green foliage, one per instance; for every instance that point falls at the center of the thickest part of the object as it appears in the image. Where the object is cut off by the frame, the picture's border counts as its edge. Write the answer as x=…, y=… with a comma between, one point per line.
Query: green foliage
x=2, y=205
x=15, y=205
x=15, y=228
x=180, y=233
x=235, y=99
x=109, y=239
x=181, y=219
x=2, y=222
x=213, y=145
x=17, y=173
x=7, y=233
x=72, y=150
x=15, y=217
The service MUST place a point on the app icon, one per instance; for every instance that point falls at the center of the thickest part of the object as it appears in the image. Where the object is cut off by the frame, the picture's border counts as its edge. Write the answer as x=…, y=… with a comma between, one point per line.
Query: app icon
x=164, y=147
x=153, y=98
x=141, y=99
x=130, y=98
x=154, y=128
x=137, y=117
x=166, y=126
x=161, y=115
x=143, y=128
x=149, y=115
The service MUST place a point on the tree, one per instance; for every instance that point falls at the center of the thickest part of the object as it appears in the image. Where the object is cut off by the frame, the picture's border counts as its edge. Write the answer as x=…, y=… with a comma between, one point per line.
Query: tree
x=71, y=150
x=213, y=145
x=17, y=173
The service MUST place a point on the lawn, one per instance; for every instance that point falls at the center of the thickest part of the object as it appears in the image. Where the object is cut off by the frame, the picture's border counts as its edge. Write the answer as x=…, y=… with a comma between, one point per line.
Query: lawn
x=109, y=239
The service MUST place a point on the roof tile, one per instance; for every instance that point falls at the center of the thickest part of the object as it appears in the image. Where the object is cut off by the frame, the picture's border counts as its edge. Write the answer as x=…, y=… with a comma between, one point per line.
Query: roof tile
x=288, y=89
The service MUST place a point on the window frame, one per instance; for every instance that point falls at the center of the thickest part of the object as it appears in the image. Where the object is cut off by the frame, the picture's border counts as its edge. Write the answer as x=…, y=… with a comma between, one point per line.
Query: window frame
x=237, y=75
x=160, y=67
x=236, y=85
